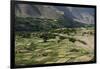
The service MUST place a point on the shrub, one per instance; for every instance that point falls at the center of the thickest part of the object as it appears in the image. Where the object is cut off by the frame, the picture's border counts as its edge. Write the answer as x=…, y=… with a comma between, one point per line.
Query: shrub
x=44, y=37
x=82, y=42
x=62, y=37
x=72, y=39
x=74, y=50
x=26, y=35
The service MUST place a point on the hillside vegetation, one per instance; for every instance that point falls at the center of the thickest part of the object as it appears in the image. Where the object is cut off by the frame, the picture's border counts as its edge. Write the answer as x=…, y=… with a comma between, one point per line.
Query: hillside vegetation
x=46, y=41
x=41, y=24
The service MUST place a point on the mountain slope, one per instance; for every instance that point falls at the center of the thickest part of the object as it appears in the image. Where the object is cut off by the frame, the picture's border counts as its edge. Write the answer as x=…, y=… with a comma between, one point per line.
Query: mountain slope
x=82, y=15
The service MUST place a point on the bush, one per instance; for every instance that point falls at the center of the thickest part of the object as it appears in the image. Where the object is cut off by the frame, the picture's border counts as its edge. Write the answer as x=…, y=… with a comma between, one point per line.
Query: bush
x=62, y=37
x=74, y=50
x=72, y=39
x=82, y=42
x=44, y=36
x=26, y=35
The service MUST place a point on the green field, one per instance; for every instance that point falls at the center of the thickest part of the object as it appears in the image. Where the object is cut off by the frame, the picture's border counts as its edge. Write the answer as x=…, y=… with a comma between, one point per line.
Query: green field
x=63, y=45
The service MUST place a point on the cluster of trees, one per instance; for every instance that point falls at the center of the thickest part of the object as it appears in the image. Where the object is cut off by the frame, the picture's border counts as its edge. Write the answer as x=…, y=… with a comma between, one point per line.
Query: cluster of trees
x=29, y=24
x=43, y=24
x=65, y=30
x=44, y=35
x=36, y=24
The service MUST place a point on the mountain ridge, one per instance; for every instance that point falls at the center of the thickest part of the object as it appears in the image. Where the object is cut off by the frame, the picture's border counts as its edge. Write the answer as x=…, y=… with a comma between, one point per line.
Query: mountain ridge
x=82, y=15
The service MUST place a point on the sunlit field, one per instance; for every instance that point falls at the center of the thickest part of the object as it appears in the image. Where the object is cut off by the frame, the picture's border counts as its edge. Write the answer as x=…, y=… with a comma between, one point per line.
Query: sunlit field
x=63, y=45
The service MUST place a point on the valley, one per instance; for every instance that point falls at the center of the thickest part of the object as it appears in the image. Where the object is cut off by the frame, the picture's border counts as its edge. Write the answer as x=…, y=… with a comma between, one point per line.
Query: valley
x=77, y=46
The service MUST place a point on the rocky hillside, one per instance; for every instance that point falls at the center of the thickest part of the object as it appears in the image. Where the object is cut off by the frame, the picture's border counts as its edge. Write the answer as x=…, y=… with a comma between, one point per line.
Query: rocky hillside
x=82, y=15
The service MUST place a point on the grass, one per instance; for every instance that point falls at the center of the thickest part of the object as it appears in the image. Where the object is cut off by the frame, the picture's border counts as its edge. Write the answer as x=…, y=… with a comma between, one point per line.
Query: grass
x=33, y=50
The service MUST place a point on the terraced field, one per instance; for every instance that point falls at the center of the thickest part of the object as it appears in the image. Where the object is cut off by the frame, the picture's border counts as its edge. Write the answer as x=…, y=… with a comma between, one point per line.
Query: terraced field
x=74, y=48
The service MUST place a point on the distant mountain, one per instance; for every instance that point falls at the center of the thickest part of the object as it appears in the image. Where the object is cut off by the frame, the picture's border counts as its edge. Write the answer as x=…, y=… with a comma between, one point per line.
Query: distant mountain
x=82, y=15
x=26, y=10
x=31, y=17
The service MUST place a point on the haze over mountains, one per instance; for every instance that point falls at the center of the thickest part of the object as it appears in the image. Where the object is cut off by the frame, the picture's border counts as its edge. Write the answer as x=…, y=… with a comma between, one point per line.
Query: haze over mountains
x=79, y=14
